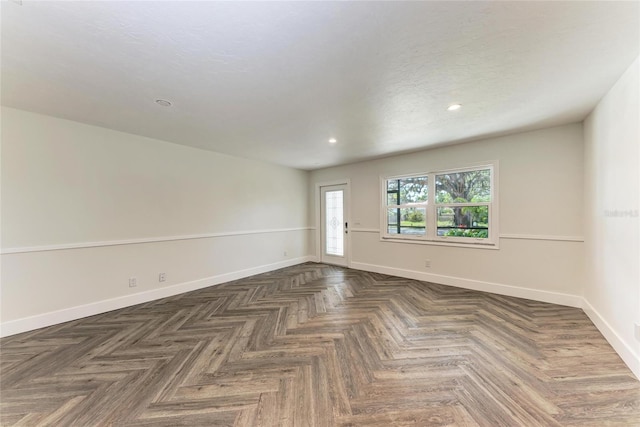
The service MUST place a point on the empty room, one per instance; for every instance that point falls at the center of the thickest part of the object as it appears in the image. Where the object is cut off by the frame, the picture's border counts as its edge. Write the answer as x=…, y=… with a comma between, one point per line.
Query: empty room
x=320, y=213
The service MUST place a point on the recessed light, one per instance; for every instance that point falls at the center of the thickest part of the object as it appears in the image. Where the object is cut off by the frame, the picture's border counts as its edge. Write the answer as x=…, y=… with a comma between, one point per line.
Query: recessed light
x=332, y=141
x=454, y=107
x=163, y=102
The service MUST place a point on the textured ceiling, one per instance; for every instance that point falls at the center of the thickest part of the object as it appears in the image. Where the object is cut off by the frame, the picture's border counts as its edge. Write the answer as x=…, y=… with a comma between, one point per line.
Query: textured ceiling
x=275, y=81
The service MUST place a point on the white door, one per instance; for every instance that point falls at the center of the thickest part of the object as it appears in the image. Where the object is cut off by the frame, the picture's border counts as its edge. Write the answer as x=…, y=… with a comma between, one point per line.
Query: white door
x=334, y=229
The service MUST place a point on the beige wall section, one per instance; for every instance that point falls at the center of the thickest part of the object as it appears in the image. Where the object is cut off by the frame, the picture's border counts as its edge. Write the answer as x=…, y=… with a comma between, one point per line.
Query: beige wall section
x=42, y=282
x=68, y=183
x=612, y=164
x=540, y=195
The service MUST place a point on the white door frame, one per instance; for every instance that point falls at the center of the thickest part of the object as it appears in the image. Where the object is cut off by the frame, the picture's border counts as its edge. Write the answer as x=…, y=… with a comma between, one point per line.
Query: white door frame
x=318, y=207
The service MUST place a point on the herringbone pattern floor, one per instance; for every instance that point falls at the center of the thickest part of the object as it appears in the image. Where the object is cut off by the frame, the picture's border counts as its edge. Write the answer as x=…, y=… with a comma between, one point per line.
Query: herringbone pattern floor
x=320, y=345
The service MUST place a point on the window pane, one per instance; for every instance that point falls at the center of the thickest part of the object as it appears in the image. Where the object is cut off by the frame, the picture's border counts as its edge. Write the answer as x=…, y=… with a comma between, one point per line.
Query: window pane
x=406, y=221
x=468, y=221
x=413, y=190
x=464, y=187
x=392, y=198
x=334, y=230
x=392, y=221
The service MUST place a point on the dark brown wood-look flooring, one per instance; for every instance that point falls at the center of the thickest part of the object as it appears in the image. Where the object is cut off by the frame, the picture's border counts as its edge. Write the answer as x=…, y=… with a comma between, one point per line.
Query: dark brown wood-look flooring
x=321, y=346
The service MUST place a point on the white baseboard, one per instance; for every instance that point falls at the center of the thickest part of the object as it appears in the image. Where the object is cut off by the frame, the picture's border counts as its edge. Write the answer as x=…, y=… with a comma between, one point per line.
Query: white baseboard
x=626, y=352
x=476, y=285
x=60, y=316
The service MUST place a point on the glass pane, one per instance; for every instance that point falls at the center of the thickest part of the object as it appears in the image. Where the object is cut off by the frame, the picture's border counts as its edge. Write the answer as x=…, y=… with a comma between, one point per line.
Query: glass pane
x=334, y=225
x=406, y=221
x=392, y=221
x=413, y=190
x=407, y=190
x=468, y=221
x=392, y=198
x=464, y=187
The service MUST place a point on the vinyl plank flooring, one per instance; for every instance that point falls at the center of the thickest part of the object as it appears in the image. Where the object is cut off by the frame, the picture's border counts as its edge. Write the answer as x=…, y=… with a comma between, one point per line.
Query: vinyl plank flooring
x=318, y=345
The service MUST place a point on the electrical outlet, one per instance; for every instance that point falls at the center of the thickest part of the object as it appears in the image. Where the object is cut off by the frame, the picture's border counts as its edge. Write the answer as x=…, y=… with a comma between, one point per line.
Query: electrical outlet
x=427, y=263
x=162, y=277
x=637, y=331
x=133, y=282
x=285, y=253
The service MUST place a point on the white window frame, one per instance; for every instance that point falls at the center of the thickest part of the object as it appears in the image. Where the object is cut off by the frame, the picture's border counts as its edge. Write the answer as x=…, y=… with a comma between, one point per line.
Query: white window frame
x=431, y=221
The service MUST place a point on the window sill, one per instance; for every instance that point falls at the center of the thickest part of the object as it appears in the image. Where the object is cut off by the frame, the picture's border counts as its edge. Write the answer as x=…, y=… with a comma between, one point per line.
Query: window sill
x=493, y=246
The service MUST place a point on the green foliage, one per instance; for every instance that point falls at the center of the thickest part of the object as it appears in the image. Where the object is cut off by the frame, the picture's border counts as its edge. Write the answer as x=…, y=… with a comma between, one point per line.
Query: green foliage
x=462, y=187
x=415, y=216
x=412, y=224
x=407, y=190
x=481, y=198
x=443, y=197
x=413, y=190
x=478, y=214
x=458, y=232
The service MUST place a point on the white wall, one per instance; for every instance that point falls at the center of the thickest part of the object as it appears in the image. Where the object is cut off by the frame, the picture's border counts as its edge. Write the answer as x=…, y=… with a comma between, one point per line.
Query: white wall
x=540, y=255
x=66, y=186
x=612, y=289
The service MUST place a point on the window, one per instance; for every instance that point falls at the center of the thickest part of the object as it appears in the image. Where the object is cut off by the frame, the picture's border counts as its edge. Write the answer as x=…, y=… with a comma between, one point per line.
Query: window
x=407, y=205
x=447, y=206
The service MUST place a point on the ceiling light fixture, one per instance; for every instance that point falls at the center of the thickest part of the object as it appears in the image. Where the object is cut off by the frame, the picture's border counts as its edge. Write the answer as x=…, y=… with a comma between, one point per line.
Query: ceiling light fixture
x=332, y=140
x=163, y=102
x=454, y=107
